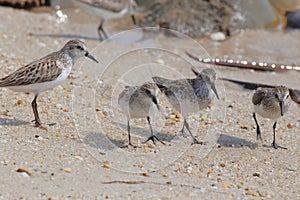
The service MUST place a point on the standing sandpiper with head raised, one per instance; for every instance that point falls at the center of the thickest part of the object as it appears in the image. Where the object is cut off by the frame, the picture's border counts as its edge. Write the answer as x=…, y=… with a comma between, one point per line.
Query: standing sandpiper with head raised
x=46, y=73
x=108, y=9
x=271, y=103
x=189, y=95
x=136, y=102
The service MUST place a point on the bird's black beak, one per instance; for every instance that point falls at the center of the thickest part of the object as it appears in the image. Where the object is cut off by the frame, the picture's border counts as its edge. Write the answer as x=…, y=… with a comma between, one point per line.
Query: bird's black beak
x=90, y=57
x=155, y=101
x=213, y=87
x=133, y=19
x=281, y=107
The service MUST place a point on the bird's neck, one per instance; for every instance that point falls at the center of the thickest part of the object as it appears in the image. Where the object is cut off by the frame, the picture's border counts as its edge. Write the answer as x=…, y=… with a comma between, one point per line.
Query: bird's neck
x=71, y=56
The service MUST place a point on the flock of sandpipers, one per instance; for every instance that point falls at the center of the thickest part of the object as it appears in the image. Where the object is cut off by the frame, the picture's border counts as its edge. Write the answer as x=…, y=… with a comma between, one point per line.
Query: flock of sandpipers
x=185, y=95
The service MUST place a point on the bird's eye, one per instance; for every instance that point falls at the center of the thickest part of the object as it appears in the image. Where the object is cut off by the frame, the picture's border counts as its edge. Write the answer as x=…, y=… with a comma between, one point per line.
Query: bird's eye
x=276, y=95
x=79, y=47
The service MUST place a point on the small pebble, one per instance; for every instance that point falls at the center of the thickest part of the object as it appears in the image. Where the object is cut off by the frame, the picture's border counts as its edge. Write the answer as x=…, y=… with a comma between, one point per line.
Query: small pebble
x=290, y=125
x=145, y=174
x=177, y=114
x=68, y=170
x=20, y=102
x=79, y=158
x=245, y=127
x=256, y=174
x=106, y=166
x=254, y=194
x=224, y=185
x=218, y=36
x=292, y=168
x=160, y=61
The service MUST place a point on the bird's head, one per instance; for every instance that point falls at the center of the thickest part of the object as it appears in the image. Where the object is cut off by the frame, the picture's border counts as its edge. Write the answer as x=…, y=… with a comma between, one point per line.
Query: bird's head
x=76, y=49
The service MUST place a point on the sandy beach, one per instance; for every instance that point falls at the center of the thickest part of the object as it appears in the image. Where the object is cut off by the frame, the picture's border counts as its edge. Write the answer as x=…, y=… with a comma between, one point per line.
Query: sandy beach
x=81, y=156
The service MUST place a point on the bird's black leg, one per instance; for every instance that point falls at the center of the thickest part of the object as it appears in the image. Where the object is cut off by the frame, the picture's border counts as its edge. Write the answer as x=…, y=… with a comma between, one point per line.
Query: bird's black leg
x=182, y=130
x=195, y=141
x=133, y=19
x=101, y=31
x=129, y=137
x=258, y=134
x=152, y=137
x=276, y=146
x=35, y=111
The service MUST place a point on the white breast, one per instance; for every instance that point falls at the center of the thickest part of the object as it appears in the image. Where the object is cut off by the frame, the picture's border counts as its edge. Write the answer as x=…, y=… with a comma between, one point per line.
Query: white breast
x=273, y=113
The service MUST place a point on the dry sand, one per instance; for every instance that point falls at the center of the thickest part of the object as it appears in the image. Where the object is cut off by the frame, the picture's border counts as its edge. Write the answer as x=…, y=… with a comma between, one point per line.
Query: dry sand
x=80, y=157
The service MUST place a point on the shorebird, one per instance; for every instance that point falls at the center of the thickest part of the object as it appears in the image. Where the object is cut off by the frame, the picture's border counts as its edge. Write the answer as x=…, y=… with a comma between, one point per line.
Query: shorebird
x=136, y=102
x=46, y=73
x=189, y=95
x=271, y=103
x=108, y=9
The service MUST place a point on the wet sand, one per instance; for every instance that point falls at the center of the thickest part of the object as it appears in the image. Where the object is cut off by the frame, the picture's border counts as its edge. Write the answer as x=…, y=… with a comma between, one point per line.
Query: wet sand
x=81, y=156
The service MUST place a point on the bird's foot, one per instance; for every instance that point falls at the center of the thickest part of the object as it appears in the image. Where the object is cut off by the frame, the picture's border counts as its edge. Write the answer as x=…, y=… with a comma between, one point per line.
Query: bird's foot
x=38, y=123
x=276, y=146
x=153, y=138
x=131, y=145
x=195, y=141
x=183, y=134
x=258, y=135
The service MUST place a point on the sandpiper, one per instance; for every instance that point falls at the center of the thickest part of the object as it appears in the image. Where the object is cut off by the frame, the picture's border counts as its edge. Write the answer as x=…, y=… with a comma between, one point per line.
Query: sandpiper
x=271, y=103
x=136, y=102
x=46, y=73
x=108, y=9
x=189, y=95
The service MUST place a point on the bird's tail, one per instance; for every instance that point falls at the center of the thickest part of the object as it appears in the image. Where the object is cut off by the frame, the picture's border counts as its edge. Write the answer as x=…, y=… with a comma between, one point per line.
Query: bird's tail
x=161, y=83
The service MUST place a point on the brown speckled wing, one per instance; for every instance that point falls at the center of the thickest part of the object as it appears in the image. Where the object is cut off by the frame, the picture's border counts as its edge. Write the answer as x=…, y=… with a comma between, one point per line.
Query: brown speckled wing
x=258, y=96
x=43, y=70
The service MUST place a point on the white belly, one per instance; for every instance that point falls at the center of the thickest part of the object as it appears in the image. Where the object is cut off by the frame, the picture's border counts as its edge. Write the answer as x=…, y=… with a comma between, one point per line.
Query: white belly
x=141, y=112
x=100, y=12
x=192, y=104
x=268, y=113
